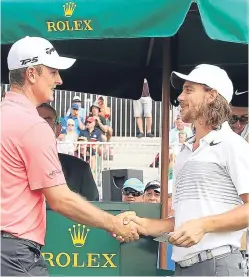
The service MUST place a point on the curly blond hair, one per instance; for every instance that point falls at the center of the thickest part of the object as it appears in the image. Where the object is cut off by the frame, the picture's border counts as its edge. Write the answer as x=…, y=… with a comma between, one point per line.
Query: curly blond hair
x=216, y=112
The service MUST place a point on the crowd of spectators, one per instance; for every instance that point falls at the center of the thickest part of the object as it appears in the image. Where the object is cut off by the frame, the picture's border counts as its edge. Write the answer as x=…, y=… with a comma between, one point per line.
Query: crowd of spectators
x=80, y=126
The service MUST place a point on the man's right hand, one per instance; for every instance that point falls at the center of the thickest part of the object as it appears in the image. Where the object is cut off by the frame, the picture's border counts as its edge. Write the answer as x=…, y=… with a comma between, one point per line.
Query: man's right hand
x=130, y=227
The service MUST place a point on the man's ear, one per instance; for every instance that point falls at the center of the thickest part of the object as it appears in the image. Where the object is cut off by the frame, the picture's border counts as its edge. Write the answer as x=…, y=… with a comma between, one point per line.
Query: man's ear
x=31, y=74
x=212, y=95
x=58, y=130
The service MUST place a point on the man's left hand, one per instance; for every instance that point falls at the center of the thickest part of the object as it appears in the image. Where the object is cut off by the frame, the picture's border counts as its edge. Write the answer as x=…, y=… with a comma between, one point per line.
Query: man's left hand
x=188, y=234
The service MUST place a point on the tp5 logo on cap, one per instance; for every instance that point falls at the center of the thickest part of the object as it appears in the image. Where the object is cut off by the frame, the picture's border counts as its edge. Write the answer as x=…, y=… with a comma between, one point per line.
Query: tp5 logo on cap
x=33, y=60
x=34, y=51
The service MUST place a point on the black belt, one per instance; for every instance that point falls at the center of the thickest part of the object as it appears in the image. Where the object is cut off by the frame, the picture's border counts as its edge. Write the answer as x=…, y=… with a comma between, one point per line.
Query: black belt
x=10, y=236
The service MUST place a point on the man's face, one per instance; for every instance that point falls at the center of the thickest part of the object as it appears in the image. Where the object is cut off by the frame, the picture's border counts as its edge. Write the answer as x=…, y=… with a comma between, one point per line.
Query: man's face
x=239, y=119
x=74, y=112
x=100, y=101
x=50, y=117
x=43, y=85
x=192, y=99
x=179, y=124
x=78, y=102
x=95, y=111
x=152, y=195
x=90, y=124
x=182, y=138
x=70, y=126
x=130, y=195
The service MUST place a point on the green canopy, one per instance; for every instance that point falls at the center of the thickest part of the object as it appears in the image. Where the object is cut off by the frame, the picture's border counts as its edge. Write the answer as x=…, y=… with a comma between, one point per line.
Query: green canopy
x=119, y=42
x=224, y=20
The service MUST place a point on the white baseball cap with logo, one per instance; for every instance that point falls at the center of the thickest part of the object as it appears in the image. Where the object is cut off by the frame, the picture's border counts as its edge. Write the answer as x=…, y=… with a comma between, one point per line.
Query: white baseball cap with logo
x=209, y=75
x=30, y=51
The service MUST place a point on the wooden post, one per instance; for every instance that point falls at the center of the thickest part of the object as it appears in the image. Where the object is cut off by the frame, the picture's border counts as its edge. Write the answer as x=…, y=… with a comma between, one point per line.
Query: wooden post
x=164, y=159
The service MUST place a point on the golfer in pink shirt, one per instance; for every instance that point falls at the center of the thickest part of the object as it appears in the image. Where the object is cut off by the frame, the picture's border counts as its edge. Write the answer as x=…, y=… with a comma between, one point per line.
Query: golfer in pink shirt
x=30, y=168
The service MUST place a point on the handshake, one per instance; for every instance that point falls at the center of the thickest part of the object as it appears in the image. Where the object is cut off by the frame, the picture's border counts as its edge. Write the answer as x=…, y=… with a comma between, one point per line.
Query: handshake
x=128, y=227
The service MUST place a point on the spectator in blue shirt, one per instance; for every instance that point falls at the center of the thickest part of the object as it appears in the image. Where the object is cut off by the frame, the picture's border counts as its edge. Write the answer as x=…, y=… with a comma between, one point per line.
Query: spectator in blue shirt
x=78, y=120
x=82, y=111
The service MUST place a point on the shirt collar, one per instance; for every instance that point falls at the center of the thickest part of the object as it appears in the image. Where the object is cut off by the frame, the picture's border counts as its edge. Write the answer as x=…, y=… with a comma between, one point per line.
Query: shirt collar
x=217, y=134
x=21, y=100
x=211, y=136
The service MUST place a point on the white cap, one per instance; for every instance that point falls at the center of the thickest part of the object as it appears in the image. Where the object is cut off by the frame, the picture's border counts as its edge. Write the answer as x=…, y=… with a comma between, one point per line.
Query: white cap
x=209, y=75
x=30, y=51
x=76, y=98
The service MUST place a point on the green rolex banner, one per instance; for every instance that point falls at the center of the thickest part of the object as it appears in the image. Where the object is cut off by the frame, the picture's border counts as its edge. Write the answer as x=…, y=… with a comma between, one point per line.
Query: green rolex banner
x=84, y=19
x=94, y=19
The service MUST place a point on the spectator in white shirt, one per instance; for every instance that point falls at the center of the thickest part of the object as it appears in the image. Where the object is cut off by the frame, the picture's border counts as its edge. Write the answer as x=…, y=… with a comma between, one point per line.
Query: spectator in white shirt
x=179, y=127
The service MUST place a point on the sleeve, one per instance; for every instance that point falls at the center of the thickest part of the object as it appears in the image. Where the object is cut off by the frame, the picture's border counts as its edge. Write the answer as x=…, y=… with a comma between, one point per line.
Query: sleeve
x=238, y=164
x=40, y=157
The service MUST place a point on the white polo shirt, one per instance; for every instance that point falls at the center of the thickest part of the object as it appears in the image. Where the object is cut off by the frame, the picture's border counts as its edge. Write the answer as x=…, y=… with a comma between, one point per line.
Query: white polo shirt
x=208, y=182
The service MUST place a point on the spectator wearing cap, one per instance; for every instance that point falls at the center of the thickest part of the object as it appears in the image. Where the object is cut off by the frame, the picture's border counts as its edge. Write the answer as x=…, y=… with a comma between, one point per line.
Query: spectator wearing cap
x=82, y=111
x=133, y=190
x=100, y=120
x=104, y=110
x=143, y=107
x=31, y=173
x=152, y=192
x=101, y=123
x=179, y=127
x=239, y=121
x=91, y=134
x=210, y=165
x=75, y=116
x=211, y=195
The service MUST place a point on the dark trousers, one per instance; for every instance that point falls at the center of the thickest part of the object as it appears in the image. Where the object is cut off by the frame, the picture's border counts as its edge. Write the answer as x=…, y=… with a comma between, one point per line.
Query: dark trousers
x=21, y=257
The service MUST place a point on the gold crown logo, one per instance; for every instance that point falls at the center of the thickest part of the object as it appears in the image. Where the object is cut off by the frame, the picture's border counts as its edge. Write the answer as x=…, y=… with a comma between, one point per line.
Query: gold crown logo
x=79, y=236
x=69, y=9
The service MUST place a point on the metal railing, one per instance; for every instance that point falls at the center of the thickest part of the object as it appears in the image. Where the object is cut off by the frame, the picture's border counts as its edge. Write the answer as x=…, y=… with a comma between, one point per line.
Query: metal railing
x=122, y=120
x=117, y=155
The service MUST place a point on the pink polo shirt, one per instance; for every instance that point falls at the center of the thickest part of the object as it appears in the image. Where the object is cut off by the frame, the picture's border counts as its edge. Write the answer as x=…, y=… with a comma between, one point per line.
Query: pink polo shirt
x=29, y=162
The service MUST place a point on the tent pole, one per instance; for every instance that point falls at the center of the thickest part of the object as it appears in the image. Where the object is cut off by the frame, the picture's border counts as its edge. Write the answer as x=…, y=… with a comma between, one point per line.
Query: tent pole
x=164, y=159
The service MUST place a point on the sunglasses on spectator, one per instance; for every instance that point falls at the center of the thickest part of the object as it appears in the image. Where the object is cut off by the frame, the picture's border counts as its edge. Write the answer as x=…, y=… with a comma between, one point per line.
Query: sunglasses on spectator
x=134, y=193
x=70, y=125
x=242, y=119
